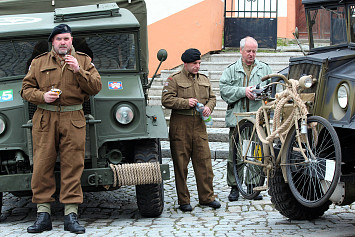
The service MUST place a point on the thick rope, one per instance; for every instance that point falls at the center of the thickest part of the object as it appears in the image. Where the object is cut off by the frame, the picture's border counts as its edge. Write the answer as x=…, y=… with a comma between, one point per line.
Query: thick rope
x=136, y=174
x=280, y=128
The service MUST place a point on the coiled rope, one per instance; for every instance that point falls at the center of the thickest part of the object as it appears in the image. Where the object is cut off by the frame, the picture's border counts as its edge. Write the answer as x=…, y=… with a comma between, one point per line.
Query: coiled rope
x=136, y=174
x=280, y=128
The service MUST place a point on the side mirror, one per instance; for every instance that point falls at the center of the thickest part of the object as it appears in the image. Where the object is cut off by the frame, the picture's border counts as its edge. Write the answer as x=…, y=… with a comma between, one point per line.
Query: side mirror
x=162, y=55
x=296, y=34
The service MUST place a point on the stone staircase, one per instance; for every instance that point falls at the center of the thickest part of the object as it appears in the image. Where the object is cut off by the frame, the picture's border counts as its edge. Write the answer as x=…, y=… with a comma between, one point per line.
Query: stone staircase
x=213, y=65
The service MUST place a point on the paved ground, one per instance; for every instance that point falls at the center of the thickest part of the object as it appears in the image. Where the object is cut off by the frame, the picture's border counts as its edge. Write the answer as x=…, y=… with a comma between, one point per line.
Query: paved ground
x=115, y=214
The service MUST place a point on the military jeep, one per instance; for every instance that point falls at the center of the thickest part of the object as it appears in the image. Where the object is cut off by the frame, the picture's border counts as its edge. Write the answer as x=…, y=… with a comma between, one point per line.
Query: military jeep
x=123, y=131
x=331, y=62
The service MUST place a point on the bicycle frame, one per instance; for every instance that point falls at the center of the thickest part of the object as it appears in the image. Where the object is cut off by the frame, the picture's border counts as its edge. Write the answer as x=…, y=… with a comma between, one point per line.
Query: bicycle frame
x=269, y=138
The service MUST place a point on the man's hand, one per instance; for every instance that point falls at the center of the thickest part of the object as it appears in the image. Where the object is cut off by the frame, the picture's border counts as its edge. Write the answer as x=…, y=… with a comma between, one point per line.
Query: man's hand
x=248, y=93
x=206, y=112
x=72, y=62
x=50, y=96
x=193, y=102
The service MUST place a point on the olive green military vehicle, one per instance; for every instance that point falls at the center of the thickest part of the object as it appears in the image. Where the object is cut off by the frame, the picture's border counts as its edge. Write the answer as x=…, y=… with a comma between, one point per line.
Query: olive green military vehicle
x=123, y=130
x=331, y=62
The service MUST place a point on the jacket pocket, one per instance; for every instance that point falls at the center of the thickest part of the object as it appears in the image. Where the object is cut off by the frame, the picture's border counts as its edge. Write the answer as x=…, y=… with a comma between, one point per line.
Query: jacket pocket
x=185, y=90
x=39, y=123
x=78, y=119
x=204, y=89
x=47, y=78
x=78, y=123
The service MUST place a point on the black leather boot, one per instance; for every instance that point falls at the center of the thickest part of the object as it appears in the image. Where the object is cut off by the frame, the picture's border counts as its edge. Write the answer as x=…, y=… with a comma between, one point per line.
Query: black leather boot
x=71, y=224
x=234, y=194
x=185, y=207
x=250, y=190
x=42, y=223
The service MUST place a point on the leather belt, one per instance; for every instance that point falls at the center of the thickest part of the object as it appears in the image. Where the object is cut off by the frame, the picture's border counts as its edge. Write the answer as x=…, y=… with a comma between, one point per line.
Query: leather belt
x=188, y=112
x=60, y=108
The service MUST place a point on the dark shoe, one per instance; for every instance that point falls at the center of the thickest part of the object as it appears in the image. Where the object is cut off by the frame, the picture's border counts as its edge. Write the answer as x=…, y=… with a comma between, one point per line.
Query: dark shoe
x=234, y=194
x=42, y=223
x=259, y=197
x=214, y=204
x=185, y=207
x=71, y=224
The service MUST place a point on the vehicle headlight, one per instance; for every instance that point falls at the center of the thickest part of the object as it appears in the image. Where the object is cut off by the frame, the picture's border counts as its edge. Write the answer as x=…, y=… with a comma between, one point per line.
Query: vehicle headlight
x=343, y=95
x=2, y=125
x=306, y=81
x=124, y=114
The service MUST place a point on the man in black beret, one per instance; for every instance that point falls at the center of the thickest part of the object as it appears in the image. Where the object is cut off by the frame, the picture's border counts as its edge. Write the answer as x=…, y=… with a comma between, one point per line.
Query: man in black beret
x=59, y=82
x=59, y=29
x=187, y=133
x=191, y=55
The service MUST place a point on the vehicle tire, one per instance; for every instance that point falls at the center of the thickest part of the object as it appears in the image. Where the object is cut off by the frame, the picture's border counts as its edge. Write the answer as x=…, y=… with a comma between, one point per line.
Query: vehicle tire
x=150, y=197
x=286, y=203
x=313, y=182
x=247, y=176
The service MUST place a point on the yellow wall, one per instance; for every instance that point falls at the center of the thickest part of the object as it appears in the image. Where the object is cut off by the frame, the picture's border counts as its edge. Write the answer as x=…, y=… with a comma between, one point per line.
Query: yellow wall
x=199, y=26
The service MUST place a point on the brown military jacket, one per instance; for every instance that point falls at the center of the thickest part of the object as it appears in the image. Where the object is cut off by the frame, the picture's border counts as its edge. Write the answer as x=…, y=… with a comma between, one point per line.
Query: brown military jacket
x=46, y=72
x=181, y=86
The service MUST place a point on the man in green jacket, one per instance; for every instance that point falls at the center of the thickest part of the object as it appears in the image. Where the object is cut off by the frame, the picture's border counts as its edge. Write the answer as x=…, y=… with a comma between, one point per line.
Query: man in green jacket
x=235, y=87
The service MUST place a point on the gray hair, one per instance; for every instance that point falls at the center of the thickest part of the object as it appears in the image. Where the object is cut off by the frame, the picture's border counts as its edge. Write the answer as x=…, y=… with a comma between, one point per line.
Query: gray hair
x=242, y=41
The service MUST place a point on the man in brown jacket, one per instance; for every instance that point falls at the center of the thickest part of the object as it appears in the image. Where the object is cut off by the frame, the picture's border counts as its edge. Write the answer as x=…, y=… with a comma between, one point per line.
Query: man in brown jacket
x=59, y=82
x=187, y=133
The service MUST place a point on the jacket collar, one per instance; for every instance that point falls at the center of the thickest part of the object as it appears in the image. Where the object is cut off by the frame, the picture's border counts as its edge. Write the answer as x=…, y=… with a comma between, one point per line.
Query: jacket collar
x=239, y=65
x=189, y=75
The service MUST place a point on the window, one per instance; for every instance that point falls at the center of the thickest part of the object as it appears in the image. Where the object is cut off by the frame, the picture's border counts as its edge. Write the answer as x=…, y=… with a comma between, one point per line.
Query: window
x=114, y=51
x=328, y=26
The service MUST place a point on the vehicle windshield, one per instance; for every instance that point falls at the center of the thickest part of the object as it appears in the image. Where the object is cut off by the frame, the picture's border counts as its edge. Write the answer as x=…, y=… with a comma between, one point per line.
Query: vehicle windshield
x=328, y=26
x=108, y=51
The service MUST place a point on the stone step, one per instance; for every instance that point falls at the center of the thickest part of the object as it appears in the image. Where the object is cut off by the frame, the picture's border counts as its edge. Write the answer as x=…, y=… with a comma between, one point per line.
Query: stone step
x=219, y=150
x=157, y=90
x=218, y=142
x=218, y=112
x=215, y=134
x=156, y=100
x=265, y=57
x=217, y=122
x=215, y=70
x=212, y=66
x=213, y=77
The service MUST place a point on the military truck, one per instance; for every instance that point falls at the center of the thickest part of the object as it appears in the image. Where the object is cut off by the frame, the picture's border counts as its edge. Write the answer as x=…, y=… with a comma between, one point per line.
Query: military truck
x=123, y=131
x=331, y=62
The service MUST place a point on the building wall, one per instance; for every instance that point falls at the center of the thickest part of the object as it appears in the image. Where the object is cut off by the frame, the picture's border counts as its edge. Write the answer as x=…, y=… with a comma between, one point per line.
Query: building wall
x=286, y=22
x=179, y=25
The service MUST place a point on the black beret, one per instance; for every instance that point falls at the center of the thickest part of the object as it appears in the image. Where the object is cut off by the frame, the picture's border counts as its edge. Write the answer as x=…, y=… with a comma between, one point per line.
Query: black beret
x=191, y=55
x=59, y=29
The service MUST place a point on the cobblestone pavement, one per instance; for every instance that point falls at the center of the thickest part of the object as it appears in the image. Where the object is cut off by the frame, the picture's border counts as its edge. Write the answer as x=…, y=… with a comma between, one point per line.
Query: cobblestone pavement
x=115, y=214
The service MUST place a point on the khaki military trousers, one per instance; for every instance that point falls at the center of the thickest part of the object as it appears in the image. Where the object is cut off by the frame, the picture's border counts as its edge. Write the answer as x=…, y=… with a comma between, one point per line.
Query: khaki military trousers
x=230, y=169
x=188, y=139
x=63, y=134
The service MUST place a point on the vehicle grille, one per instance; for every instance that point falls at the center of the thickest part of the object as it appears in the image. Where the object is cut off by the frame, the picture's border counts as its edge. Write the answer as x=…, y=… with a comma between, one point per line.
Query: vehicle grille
x=301, y=69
